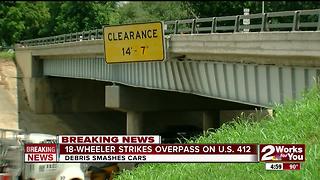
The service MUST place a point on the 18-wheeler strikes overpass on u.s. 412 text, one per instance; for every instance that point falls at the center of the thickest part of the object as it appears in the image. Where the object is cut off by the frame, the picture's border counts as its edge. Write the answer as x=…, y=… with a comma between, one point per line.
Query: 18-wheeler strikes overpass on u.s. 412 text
x=211, y=57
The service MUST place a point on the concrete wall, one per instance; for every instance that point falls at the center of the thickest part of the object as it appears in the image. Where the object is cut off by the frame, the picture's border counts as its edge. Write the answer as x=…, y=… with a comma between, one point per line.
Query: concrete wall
x=76, y=95
x=280, y=48
x=24, y=63
x=24, y=60
x=30, y=69
x=139, y=99
x=83, y=48
x=39, y=97
x=48, y=95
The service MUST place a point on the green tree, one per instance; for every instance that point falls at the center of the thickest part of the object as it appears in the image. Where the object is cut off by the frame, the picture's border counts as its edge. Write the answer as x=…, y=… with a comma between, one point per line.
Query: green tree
x=54, y=10
x=273, y=6
x=35, y=17
x=143, y=11
x=81, y=16
x=22, y=20
x=227, y=8
x=216, y=8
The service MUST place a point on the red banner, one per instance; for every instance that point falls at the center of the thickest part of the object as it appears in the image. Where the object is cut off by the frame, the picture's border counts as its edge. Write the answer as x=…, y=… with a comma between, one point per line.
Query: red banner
x=291, y=166
x=40, y=148
x=40, y=152
x=109, y=139
x=158, y=149
x=126, y=149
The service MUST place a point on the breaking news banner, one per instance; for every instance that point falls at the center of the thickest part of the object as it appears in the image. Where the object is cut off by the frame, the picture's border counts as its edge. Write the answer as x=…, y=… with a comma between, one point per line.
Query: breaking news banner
x=40, y=153
x=283, y=166
x=282, y=152
x=158, y=153
x=148, y=148
x=102, y=139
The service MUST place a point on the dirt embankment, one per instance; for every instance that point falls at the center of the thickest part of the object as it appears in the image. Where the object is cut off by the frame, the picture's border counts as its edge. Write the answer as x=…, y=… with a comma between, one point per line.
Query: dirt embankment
x=8, y=95
x=8, y=78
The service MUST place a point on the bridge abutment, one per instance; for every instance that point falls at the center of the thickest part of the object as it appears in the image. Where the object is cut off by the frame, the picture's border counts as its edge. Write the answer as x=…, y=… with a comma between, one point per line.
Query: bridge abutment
x=47, y=94
x=36, y=86
x=39, y=97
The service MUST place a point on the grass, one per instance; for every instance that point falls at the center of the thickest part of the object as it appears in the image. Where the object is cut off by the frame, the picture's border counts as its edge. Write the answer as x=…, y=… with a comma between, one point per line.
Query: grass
x=5, y=55
x=294, y=122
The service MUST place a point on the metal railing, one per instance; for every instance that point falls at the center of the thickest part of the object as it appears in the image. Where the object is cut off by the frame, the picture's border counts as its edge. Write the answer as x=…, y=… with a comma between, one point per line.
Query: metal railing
x=300, y=20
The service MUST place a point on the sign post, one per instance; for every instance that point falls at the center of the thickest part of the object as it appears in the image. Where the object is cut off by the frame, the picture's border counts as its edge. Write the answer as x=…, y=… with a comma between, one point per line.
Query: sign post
x=246, y=22
x=134, y=42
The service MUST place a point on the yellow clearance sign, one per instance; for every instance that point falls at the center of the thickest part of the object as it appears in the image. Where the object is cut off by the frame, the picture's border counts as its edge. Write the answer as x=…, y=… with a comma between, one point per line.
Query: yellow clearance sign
x=134, y=42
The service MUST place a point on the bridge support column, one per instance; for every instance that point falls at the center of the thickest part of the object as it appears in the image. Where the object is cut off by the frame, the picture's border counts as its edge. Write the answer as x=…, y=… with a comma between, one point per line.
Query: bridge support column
x=210, y=119
x=134, y=122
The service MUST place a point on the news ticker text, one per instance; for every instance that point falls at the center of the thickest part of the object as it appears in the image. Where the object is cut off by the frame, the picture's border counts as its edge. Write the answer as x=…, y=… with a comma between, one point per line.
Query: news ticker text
x=94, y=148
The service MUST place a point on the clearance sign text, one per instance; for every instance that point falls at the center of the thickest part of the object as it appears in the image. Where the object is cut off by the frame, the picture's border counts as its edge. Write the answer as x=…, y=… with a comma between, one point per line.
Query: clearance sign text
x=134, y=42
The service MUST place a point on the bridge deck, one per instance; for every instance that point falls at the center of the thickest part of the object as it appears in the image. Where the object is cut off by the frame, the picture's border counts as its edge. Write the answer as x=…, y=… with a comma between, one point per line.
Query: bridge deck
x=259, y=68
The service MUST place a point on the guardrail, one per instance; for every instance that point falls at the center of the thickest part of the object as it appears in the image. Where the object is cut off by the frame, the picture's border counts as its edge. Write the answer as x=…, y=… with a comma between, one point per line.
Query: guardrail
x=300, y=20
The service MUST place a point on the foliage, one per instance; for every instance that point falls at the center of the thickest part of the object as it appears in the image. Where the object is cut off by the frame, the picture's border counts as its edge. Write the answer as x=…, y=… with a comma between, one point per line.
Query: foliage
x=7, y=55
x=144, y=11
x=33, y=19
x=22, y=20
x=80, y=16
x=228, y=8
x=27, y=20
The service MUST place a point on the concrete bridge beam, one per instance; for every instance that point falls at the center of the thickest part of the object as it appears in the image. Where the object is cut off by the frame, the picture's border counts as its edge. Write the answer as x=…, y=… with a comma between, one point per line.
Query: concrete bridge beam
x=279, y=48
x=125, y=98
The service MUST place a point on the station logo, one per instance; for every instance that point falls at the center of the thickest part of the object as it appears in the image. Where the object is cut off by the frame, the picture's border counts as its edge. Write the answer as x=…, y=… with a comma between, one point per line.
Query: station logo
x=282, y=152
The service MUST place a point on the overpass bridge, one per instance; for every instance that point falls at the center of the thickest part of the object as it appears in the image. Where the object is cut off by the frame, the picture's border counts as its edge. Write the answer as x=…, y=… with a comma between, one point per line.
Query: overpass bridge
x=211, y=57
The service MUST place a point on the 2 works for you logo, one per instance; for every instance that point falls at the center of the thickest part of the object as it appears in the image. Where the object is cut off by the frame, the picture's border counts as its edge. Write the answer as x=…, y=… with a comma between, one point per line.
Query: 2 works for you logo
x=282, y=152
